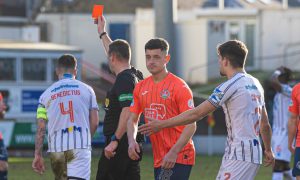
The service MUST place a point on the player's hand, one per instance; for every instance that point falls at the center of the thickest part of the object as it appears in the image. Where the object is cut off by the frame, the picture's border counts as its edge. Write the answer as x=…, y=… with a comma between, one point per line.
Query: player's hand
x=101, y=24
x=292, y=148
x=38, y=164
x=169, y=160
x=133, y=150
x=151, y=127
x=110, y=150
x=269, y=158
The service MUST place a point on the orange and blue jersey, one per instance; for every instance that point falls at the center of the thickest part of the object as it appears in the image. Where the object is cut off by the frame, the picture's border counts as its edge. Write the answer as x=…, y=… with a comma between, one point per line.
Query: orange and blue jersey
x=295, y=109
x=164, y=100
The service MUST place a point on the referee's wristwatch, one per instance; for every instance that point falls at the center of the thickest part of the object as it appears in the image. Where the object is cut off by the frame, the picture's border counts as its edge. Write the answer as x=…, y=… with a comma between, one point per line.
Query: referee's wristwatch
x=114, y=138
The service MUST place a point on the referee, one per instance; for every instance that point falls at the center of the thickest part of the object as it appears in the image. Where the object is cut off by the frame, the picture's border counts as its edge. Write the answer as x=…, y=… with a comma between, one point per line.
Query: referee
x=114, y=163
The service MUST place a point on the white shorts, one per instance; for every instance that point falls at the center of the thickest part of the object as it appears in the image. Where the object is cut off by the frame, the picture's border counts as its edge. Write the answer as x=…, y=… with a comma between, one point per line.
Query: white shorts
x=280, y=148
x=74, y=163
x=237, y=170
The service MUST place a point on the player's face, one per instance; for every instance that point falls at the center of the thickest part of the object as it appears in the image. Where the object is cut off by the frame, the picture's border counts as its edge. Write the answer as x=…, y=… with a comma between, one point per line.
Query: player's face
x=156, y=60
x=221, y=65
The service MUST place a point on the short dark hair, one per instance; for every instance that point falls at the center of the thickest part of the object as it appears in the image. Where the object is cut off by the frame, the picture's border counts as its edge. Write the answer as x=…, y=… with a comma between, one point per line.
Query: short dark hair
x=121, y=49
x=157, y=43
x=235, y=51
x=67, y=61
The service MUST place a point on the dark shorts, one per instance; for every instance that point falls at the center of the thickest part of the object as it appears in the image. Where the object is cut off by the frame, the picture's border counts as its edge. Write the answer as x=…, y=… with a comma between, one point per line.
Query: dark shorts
x=281, y=166
x=120, y=167
x=3, y=151
x=296, y=168
x=178, y=172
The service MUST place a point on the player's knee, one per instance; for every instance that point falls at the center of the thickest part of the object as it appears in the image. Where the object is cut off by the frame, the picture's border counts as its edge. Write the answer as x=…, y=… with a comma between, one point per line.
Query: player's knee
x=3, y=166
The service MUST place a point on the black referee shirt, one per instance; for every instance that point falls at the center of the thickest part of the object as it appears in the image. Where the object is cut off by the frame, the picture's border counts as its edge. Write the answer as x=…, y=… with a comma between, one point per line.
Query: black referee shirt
x=120, y=95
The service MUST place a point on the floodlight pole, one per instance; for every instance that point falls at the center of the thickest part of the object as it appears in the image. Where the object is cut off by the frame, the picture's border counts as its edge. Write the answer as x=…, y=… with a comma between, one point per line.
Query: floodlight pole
x=165, y=16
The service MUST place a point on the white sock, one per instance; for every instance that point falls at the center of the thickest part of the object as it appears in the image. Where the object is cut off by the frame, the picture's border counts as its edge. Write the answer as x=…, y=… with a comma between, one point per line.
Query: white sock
x=288, y=175
x=277, y=176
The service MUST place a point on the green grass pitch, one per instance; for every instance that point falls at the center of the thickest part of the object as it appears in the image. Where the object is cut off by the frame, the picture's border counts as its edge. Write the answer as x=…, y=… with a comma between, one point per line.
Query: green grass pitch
x=206, y=168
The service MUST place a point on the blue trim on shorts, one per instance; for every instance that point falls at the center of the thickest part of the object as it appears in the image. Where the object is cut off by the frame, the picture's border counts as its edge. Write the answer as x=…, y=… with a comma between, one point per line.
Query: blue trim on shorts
x=3, y=151
x=178, y=172
x=296, y=167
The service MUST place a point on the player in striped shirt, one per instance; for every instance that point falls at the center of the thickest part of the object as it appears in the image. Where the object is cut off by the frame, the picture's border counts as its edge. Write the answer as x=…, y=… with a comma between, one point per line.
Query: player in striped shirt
x=279, y=80
x=294, y=128
x=163, y=95
x=70, y=109
x=3, y=150
x=242, y=100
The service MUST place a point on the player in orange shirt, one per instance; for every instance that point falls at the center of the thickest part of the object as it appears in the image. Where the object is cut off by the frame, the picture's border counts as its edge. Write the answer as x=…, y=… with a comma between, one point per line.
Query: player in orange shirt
x=163, y=95
x=294, y=128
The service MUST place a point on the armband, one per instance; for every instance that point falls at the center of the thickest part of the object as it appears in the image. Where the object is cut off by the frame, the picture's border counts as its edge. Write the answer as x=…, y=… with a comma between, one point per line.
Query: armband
x=41, y=113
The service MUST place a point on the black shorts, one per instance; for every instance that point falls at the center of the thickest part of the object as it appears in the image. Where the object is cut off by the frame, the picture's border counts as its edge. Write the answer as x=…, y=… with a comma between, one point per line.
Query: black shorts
x=178, y=172
x=3, y=151
x=120, y=166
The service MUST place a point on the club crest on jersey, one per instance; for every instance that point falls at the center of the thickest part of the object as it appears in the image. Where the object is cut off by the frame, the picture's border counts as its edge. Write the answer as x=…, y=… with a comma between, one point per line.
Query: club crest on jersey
x=190, y=103
x=165, y=94
x=106, y=102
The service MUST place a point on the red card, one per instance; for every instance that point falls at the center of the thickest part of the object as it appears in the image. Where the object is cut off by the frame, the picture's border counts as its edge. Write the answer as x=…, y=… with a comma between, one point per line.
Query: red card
x=97, y=11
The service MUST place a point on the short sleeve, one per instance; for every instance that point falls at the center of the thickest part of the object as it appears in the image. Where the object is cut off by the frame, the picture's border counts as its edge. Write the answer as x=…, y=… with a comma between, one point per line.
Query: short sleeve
x=222, y=93
x=135, y=106
x=124, y=86
x=184, y=99
x=93, y=101
x=294, y=106
x=42, y=101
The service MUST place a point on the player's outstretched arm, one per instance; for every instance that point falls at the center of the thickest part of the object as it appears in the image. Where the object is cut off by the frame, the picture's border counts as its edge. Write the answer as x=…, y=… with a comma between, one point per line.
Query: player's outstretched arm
x=38, y=162
x=170, y=158
x=103, y=33
x=266, y=134
x=132, y=126
x=184, y=118
x=292, y=129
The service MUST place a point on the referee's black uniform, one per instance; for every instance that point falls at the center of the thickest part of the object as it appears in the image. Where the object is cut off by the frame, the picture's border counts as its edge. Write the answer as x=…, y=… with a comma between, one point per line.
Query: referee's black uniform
x=120, y=167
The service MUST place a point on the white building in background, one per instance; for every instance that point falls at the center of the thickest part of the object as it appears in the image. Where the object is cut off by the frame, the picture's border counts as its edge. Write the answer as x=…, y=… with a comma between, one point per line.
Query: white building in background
x=271, y=36
x=27, y=70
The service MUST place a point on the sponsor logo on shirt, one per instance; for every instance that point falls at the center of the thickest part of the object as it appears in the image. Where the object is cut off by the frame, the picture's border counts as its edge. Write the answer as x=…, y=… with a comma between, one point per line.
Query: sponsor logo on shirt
x=156, y=111
x=251, y=87
x=278, y=150
x=144, y=93
x=71, y=129
x=165, y=94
